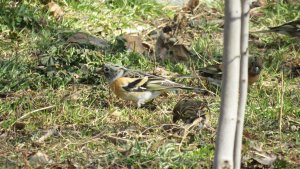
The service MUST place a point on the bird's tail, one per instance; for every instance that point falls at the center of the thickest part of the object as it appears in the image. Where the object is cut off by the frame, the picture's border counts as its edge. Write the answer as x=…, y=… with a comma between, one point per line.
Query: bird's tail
x=196, y=90
x=263, y=31
x=189, y=88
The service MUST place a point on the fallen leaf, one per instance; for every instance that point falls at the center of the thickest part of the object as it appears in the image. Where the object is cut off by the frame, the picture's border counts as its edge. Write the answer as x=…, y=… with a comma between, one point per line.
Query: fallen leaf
x=123, y=151
x=66, y=164
x=87, y=39
x=45, y=1
x=162, y=46
x=292, y=2
x=6, y=95
x=180, y=21
x=292, y=67
x=117, y=166
x=258, y=3
x=265, y=158
x=154, y=146
x=256, y=13
x=148, y=47
x=160, y=71
x=261, y=156
x=55, y=10
x=191, y=5
x=116, y=114
x=19, y=126
x=180, y=53
x=134, y=43
x=38, y=158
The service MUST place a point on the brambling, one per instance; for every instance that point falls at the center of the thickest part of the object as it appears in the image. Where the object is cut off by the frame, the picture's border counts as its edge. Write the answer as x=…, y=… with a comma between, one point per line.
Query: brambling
x=188, y=110
x=138, y=86
x=291, y=29
x=213, y=73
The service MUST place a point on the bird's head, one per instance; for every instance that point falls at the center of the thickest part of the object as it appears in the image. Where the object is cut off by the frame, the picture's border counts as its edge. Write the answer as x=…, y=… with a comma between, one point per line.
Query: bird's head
x=112, y=72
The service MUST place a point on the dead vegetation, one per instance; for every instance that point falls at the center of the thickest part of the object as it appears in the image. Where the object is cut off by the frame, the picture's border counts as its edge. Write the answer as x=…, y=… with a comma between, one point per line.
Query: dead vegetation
x=57, y=112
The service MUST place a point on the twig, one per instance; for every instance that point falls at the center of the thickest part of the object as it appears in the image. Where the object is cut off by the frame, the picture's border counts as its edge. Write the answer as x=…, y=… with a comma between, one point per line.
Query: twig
x=187, y=129
x=117, y=139
x=34, y=111
x=49, y=133
x=293, y=120
x=281, y=104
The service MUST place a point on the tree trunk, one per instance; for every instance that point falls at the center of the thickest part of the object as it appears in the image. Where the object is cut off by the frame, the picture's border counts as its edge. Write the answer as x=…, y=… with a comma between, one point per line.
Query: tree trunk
x=230, y=86
x=243, y=83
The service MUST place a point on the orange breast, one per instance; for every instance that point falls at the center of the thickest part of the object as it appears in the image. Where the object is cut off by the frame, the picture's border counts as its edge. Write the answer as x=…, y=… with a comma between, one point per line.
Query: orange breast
x=117, y=88
x=252, y=79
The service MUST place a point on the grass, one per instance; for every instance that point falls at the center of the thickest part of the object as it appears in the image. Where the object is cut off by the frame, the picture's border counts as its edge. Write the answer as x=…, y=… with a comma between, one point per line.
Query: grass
x=39, y=70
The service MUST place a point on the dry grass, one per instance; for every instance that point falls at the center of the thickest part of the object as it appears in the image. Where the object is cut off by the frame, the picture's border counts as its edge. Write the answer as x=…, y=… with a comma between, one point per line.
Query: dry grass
x=76, y=122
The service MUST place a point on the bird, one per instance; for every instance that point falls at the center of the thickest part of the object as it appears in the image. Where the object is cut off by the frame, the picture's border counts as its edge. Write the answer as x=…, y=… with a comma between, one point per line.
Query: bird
x=188, y=110
x=138, y=86
x=213, y=73
x=291, y=29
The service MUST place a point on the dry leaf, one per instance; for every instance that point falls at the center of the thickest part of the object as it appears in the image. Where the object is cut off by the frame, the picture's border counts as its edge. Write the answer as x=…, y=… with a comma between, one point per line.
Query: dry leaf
x=48, y=134
x=292, y=2
x=160, y=71
x=148, y=47
x=117, y=166
x=134, y=43
x=265, y=158
x=123, y=151
x=162, y=46
x=116, y=114
x=191, y=5
x=180, y=53
x=180, y=21
x=19, y=126
x=154, y=146
x=260, y=155
x=66, y=164
x=292, y=67
x=258, y=3
x=38, y=158
x=87, y=39
x=256, y=13
x=55, y=10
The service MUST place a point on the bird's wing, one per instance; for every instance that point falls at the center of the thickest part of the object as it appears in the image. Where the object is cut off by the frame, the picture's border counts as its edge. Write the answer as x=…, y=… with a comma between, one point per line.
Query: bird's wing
x=212, y=71
x=294, y=25
x=153, y=84
x=287, y=28
x=164, y=84
x=140, y=74
x=135, y=84
x=263, y=31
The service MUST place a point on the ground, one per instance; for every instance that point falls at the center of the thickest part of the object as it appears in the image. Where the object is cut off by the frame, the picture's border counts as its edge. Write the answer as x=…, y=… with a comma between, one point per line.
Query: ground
x=56, y=109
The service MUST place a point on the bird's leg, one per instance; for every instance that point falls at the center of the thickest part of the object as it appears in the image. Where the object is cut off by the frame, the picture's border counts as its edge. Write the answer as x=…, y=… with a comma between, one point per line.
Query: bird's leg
x=150, y=105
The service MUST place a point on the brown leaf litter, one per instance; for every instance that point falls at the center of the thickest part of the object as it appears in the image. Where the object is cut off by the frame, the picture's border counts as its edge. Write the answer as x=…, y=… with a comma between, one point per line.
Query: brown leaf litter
x=172, y=39
x=83, y=38
x=134, y=43
x=291, y=67
x=55, y=10
x=259, y=157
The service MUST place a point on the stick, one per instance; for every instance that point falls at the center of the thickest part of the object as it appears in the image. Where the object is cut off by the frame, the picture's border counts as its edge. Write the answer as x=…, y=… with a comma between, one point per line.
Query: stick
x=281, y=104
x=49, y=133
x=34, y=111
